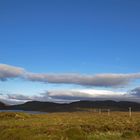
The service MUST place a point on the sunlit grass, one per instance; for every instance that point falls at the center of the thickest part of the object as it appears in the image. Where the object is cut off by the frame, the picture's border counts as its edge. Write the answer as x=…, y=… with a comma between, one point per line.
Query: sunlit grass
x=70, y=126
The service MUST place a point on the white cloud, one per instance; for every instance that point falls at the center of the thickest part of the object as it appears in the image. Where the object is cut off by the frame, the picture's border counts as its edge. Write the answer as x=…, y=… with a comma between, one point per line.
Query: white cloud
x=84, y=94
x=98, y=80
x=62, y=96
x=7, y=71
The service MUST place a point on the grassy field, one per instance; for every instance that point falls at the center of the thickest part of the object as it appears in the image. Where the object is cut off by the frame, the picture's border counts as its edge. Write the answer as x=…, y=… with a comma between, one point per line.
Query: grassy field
x=70, y=126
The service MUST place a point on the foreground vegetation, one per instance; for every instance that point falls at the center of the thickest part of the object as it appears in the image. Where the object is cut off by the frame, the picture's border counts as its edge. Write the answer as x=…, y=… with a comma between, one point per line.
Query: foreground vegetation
x=70, y=126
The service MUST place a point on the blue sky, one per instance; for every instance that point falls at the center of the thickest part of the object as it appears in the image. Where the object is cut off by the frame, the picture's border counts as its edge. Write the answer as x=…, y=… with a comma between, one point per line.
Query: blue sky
x=69, y=36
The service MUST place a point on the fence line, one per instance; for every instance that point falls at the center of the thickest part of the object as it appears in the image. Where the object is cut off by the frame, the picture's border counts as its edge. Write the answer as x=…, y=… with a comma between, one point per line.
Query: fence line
x=100, y=111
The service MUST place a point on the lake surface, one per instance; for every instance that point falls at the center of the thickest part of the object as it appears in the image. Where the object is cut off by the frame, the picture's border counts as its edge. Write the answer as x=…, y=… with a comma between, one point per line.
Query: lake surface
x=22, y=111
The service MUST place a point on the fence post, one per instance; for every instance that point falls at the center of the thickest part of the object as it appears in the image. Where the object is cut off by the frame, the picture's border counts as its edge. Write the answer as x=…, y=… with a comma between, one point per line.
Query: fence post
x=100, y=111
x=130, y=112
x=108, y=112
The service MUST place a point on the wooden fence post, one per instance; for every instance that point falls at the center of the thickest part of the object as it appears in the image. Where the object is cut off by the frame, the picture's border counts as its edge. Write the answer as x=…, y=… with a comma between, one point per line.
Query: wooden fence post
x=108, y=112
x=130, y=112
x=100, y=111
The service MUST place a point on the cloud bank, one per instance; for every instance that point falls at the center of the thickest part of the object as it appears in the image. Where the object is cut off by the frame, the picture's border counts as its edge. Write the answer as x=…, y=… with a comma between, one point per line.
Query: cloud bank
x=98, y=80
x=135, y=92
x=83, y=94
x=63, y=96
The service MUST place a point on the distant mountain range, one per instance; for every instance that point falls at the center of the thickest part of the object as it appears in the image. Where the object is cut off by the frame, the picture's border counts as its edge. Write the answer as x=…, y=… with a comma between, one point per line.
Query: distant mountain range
x=2, y=105
x=74, y=106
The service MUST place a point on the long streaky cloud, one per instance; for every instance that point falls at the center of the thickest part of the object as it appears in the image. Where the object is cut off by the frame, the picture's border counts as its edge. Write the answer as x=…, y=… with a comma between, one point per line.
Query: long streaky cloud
x=8, y=72
x=84, y=94
x=99, y=80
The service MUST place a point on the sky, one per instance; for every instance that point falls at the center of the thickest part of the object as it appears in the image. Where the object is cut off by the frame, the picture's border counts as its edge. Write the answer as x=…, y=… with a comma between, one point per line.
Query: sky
x=69, y=50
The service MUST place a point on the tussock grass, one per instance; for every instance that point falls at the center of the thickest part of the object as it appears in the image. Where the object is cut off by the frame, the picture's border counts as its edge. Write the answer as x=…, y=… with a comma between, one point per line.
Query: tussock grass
x=70, y=126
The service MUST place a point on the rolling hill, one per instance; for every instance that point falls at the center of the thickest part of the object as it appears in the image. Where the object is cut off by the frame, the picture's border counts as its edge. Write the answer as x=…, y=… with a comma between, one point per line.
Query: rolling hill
x=74, y=106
